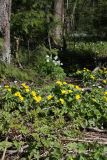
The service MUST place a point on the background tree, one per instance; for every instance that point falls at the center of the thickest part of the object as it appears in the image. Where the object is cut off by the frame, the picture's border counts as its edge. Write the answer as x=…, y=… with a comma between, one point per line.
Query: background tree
x=59, y=19
x=5, y=12
x=86, y=18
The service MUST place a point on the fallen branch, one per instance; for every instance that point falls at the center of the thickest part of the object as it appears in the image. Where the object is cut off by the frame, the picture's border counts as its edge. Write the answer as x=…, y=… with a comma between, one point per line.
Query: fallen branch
x=10, y=152
x=96, y=130
x=86, y=140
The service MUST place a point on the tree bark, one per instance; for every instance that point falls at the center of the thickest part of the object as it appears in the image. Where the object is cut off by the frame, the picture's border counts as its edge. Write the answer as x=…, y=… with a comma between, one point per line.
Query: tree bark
x=5, y=12
x=59, y=17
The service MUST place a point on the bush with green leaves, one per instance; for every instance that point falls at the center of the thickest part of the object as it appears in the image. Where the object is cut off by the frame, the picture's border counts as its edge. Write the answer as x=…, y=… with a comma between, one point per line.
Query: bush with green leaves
x=96, y=77
x=46, y=63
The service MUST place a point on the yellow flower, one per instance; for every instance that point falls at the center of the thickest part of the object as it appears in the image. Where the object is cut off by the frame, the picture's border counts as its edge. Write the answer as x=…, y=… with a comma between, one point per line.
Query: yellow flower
x=26, y=87
x=105, y=98
x=49, y=97
x=92, y=77
x=37, y=99
x=77, y=87
x=61, y=101
x=17, y=94
x=21, y=98
x=6, y=86
x=27, y=90
x=33, y=93
x=23, y=84
x=64, y=92
x=104, y=81
x=70, y=91
x=64, y=83
x=85, y=69
x=59, y=83
x=77, y=97
x=9, y=89
x=105, y=93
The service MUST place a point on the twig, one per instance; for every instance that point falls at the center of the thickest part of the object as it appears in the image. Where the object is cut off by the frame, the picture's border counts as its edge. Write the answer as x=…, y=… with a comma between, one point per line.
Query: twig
x=4, y=153
x=20, y=151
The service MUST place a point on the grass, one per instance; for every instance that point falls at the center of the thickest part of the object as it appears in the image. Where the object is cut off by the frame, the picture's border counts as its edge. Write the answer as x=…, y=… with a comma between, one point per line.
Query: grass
x=11, y=72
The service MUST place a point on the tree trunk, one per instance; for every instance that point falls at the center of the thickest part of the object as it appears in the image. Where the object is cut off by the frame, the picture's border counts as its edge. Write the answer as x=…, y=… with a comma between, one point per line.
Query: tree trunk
x=59, y=17
x=5, y=11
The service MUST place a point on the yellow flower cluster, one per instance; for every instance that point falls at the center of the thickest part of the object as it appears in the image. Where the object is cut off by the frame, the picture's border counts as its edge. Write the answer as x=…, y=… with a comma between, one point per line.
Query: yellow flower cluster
x=92, y=77
x=17, y=94
x=26, y=87
x=64, y=92
x=77, y=87
x=61, y=101
x=64, y=83
x=86, y=70
x=77, y=96
x=37, y=99
x=68, y=91
x=59, y=83
x=49, y=97
x=104, y=81
x=105, y=96
x=33, y=93
x=8, y=88
x=105, y=93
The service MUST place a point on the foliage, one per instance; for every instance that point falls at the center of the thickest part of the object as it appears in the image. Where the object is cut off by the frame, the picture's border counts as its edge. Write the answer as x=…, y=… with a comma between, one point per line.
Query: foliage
x=98, y=49
x=40, y=120
x=88, y=19
x=89, y=78
x=29, y=21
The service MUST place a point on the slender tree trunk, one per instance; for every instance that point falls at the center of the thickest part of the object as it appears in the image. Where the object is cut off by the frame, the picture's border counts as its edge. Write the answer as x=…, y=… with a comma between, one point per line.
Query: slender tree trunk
x=5, y=12
x=59, y=17
x=73, y=14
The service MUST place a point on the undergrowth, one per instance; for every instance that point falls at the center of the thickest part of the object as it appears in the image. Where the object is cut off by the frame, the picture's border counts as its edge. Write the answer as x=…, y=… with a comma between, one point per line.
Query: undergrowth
x=47, y=123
